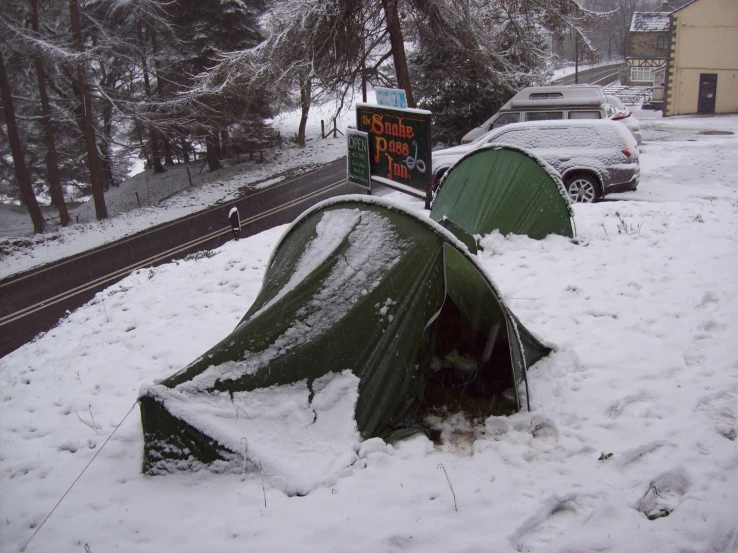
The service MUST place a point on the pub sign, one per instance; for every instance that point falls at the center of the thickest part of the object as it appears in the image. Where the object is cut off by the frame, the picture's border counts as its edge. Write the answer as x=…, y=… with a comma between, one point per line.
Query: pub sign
x=399, y=148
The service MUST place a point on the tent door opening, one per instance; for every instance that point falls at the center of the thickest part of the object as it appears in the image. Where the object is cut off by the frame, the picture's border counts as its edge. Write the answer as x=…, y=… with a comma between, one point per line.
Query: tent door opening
x=470, y=371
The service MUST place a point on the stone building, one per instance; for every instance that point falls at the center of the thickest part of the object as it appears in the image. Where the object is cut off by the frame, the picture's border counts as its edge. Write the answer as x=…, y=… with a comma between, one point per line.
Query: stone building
x=702, y=68
x=648, y=45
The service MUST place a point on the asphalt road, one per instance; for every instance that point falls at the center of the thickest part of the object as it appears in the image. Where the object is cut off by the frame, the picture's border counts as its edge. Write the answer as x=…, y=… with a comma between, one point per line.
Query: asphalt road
x=593, y=75
x=34, y=301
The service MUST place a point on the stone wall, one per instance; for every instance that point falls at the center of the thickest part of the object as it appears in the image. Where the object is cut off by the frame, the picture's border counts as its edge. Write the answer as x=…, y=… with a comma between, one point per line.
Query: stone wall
x=644, y=45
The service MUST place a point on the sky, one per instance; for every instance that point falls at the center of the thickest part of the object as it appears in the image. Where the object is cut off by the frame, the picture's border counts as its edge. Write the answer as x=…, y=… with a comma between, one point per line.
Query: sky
x=634, y=414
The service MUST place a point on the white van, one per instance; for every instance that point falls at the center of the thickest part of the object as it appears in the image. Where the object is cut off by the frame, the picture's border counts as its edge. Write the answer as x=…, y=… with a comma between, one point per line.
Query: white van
x=544, y=103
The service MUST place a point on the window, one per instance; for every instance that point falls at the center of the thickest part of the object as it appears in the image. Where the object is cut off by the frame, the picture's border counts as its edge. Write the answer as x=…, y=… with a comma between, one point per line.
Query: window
x=518, y=137
x=662, y=42
x=584, y=115
x=640, y=74
x=506, y=119
x=543, y=115
x=546, y=96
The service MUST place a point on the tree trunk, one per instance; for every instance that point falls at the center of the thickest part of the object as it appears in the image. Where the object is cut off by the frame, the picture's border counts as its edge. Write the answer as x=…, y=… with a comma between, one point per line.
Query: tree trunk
x=168, y=160
x=21, y=170
x=93, y=163
x=52, y=158
x=225, y=147
x=185, y=154
x=398, y=49
x=153, y=135
x=159, y=93
x=305, y=97
x=211, y=144
x=106, y=163
x=216, y=142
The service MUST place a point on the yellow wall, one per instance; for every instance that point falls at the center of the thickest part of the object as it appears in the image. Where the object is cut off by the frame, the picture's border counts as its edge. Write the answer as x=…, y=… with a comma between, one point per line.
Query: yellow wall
x=706, y=42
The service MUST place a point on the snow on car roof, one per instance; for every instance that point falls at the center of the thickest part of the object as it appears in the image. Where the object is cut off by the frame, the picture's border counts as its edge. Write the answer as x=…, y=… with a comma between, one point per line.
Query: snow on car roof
x=553, y=123
x=566, y=95
x=594, y=132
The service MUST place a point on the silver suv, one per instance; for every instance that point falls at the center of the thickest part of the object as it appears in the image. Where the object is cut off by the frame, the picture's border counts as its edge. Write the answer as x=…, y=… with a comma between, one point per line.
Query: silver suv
x=593, y=157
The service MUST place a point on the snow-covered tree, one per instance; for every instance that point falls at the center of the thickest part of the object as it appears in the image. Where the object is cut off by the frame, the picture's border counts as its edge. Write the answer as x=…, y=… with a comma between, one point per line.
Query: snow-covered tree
x=470, y=56
x=467, y=56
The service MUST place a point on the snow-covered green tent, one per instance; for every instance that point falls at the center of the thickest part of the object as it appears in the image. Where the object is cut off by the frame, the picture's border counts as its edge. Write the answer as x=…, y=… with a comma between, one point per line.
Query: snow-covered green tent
x=502, y=188
x=356, y=286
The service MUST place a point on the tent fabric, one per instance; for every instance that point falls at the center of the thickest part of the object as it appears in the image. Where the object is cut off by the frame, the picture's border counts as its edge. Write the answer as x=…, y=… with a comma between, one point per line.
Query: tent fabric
x=355, y=284
x=503, y=188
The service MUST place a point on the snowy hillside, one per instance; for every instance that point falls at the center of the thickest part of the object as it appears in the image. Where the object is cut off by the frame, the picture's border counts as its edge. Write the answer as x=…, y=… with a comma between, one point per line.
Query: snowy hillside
x=147, y=199
x=634, y=417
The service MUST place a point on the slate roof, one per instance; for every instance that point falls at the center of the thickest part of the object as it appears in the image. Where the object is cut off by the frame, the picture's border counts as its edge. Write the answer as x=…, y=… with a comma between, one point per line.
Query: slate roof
x=649, y=22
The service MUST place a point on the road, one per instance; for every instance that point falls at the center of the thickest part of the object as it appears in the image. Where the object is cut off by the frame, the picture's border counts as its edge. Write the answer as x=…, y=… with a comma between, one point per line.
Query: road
x=593, y=75
x=34, y=301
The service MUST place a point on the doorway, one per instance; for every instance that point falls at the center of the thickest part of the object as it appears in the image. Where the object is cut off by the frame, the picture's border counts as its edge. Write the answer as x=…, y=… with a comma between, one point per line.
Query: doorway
x=708, y=91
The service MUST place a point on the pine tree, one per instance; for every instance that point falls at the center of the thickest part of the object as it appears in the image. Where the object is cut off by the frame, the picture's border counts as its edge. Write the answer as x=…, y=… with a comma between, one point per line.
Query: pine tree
x=21, y=170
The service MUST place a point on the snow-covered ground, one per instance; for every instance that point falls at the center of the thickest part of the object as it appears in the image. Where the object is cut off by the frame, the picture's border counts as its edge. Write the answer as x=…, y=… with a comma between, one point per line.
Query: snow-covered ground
x=634, y=414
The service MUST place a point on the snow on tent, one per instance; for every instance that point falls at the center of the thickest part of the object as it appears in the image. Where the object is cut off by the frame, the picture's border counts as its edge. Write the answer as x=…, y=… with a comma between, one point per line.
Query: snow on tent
x=363, y=309
x=502, y=188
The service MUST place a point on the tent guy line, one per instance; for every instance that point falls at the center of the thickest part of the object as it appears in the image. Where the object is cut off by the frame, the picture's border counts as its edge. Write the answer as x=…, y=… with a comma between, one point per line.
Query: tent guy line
x=69, y=489
x=159, y=257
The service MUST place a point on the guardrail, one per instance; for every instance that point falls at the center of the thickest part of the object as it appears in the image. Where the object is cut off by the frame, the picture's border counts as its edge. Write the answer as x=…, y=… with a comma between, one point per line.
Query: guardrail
x=604, y=81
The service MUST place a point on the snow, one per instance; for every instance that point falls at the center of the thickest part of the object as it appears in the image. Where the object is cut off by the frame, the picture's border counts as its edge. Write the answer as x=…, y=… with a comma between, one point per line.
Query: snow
x=319, y=436
x=372, y=251
x=650, y=22
x=333, y=228
x=643, y=306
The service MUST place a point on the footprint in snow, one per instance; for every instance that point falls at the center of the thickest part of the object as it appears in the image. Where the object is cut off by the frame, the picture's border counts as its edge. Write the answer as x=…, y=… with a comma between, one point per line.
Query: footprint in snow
x=721, y=408
x=556, y=515
x=618, y=407
x=540, y=427
x=640, y=453
x=709, y=300
x=664, y=494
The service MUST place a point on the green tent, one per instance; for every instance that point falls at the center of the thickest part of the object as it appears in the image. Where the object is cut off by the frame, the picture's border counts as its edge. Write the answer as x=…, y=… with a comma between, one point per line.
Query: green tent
x=359, y=285
x=502, y=188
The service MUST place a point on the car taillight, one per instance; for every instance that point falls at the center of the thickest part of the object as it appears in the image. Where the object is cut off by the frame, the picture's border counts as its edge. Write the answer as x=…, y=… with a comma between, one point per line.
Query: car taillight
x=619, y=116
x=626, y=151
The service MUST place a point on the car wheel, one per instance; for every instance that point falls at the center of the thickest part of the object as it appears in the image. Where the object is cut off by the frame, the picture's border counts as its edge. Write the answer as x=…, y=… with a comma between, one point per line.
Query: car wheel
x=583, y=188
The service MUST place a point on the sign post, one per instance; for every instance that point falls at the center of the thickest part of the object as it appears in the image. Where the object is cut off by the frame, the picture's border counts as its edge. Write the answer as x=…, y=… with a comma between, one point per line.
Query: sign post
x=399, y=148
x=358, y=159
